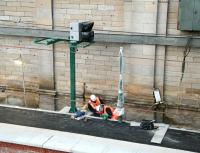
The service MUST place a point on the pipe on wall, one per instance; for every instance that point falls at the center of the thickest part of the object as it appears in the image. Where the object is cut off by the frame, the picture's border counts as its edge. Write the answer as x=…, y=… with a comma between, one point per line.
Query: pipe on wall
x=156, y=47
x=164, y=58
x=155, y=61
x=53, y=49
x=165, y=53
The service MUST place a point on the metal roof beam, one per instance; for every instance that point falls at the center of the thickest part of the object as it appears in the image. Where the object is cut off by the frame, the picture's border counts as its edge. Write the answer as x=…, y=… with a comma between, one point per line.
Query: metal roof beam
x=128, y=38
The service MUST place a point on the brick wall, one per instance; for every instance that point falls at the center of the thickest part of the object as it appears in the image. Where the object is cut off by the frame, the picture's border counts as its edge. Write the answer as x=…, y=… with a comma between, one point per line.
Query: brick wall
x=107, y=14
x=188, y=92
x=14, y=148
x=22, y=13
x=97, y=65
x=38, y=59
x=35, y=76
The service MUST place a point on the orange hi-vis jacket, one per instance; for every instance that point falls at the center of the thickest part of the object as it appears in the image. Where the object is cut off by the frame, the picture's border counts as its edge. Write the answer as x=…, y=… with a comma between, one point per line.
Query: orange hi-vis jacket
x=106, y=109
x=110, y=111
x=94, y=104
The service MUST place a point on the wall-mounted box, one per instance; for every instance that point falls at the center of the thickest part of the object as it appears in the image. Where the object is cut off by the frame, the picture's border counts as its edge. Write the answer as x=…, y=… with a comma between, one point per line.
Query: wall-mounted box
x=189, y=15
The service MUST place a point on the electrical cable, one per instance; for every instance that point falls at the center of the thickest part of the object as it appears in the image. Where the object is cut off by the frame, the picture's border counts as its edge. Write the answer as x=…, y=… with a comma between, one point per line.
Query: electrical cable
x=185, y=53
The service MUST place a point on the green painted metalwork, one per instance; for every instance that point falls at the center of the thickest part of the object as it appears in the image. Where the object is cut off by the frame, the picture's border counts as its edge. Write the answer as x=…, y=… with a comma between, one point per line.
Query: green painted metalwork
x=196, y=21
x=189, y=15
x=47, y=41
x=186, y=8
x=73, y=48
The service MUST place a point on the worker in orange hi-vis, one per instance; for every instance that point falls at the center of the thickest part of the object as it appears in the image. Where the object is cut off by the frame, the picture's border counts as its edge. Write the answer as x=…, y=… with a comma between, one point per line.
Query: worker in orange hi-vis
x=94, y=105
x=98, y=108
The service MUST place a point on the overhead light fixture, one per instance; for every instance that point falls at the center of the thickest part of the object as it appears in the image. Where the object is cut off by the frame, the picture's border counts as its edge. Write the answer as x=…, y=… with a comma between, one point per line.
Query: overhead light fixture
x=157, y=96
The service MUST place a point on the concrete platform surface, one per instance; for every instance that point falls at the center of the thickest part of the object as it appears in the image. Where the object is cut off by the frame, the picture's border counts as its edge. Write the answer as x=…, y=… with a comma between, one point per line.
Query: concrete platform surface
x=71, y=142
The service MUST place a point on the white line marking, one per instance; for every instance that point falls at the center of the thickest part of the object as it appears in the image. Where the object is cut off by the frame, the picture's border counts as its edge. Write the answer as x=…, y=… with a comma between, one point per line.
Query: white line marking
x=159, y=134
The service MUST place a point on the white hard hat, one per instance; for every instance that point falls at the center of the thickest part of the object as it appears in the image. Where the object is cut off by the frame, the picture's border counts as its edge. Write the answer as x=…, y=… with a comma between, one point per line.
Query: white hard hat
x=93, y=98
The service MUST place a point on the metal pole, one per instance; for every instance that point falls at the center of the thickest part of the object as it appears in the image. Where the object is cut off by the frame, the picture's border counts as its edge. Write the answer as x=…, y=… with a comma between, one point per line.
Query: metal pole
x=73, y=47
x=120, y=101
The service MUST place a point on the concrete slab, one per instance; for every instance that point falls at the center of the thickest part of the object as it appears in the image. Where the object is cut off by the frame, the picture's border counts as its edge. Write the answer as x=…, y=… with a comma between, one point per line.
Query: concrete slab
x=23, y=135
x=90, y=145
x=159, y=133
x=8, y=135
x=39, y=139
x=62, y=141
x=119, y=147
